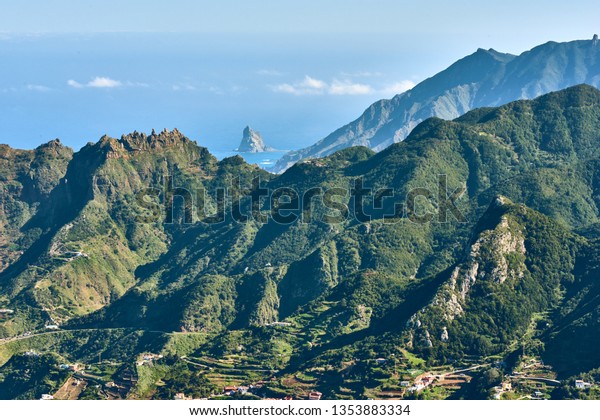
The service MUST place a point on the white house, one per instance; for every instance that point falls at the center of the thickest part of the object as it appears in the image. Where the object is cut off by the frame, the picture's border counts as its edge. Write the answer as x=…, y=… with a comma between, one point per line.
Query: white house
x=582, y=384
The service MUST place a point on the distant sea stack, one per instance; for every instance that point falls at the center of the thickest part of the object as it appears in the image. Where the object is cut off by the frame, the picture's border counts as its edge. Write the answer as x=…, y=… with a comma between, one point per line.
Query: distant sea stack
x=252, y=142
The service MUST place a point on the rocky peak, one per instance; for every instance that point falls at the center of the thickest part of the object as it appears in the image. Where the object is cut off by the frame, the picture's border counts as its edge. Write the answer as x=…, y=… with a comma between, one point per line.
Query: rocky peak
x=595, y=40
x=54, y=148
x=8, y=152
x=500, y=201
x=141, y=141
x=52, y=144
x=252, y=142
x=137, y=142
x=4, y=150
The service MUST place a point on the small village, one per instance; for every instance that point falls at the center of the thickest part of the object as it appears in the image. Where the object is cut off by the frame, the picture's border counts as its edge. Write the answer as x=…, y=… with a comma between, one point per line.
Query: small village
x=236, y=376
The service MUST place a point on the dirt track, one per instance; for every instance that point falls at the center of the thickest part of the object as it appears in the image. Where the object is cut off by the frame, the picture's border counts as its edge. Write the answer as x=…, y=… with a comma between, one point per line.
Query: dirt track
x=71, y=389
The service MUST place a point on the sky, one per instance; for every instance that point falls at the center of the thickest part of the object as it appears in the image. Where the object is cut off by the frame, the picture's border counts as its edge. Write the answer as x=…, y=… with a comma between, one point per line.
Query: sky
x=492, y=18
x=294, y=70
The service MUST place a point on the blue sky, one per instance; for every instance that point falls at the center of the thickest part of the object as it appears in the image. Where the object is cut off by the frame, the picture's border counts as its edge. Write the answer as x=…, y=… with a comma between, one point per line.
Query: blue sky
x=508, y=19
x=294, y=70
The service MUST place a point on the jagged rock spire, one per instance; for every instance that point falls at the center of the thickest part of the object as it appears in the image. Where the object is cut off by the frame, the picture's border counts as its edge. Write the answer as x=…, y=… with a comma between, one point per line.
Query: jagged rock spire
x=252, y=142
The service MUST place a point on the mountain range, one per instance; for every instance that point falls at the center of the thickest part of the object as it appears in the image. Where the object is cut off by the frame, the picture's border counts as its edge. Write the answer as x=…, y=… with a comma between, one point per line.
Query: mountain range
x=474, y=241
x=485, y=78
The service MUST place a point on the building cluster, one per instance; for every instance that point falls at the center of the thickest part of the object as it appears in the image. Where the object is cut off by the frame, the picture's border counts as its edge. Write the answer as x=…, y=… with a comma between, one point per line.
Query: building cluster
x=76, y=367
x=148, y=359
x=237, y=390
x=278, y=324
x=580, y=384
x=315, y=396
x=421, y=384
x=501, y=389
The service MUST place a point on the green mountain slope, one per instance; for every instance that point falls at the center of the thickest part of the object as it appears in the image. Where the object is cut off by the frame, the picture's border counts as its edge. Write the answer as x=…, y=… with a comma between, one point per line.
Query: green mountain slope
x=26, y=180
x=480, y=242
x=482, y=79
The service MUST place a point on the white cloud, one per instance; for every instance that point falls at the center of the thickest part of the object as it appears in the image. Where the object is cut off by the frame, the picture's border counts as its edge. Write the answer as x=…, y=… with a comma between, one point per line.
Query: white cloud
x=398, y=87
x=285, y=88
x=310, y=83
x=97, y=82
x=74, y=84
x=307, y=86
x=349, y=88
x=311, y=86
x=103, y=82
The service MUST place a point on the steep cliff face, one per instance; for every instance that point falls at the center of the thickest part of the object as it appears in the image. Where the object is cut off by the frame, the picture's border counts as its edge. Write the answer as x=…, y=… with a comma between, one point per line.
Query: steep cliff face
x=88, y=241
x=515, y=268
x=485, y=78
x=252, y=142
x=26, y=180
x=497, y=255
